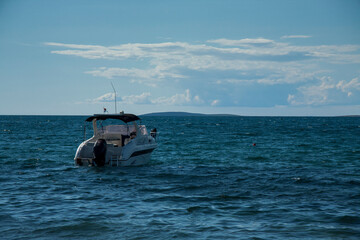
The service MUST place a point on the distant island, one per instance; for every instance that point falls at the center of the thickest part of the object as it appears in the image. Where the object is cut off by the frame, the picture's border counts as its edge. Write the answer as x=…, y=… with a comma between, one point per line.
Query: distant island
x=188, y=114
x=184, y=114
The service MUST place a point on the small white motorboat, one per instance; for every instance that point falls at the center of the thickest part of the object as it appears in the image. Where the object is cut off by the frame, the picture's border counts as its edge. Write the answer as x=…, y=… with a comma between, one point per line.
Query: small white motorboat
x=116, y=145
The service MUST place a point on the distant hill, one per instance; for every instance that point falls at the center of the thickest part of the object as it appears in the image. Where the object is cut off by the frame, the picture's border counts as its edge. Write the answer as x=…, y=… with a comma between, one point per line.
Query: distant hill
x=184, y=114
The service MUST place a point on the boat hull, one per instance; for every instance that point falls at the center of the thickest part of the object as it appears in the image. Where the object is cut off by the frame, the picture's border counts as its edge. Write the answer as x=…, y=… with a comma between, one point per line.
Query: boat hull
x=116, y=156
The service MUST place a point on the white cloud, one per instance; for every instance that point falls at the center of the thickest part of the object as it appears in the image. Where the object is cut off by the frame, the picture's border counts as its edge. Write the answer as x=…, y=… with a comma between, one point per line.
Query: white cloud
x=296, y=36
x=291, y=99
x=349, y=87
x=313, y=94
x=107, y=97
x=145, y=98
x=215, y=102
x=172, y=60
x=155, y=73
x=323, y=92
x=229, y=42
x=131, y=99
x=177, y=99
x=198, y=100
x=230, y=63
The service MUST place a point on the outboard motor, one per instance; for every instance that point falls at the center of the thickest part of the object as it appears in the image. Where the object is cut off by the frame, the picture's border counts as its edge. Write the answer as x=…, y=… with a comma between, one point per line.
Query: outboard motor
x=99, y=152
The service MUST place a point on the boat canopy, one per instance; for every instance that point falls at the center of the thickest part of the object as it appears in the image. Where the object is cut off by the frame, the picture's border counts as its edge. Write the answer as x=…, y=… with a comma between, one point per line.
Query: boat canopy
x=123, y=117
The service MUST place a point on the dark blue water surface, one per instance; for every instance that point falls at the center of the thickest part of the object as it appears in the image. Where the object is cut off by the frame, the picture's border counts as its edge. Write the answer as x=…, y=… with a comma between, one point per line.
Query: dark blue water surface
x=206, y=180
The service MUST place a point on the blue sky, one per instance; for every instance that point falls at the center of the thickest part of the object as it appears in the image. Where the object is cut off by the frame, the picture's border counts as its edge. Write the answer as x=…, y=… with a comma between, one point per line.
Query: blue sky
x=243, y=57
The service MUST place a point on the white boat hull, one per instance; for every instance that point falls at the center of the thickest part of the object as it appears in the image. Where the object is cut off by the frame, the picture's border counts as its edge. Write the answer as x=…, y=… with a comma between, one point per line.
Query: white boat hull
x=116, y=156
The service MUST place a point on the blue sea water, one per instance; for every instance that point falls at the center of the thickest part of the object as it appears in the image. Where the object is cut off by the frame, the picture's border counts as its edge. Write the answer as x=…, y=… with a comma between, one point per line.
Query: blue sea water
x=206, y=180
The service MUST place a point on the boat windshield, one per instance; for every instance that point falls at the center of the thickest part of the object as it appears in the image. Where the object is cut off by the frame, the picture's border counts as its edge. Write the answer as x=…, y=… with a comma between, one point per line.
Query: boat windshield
x=124, y=129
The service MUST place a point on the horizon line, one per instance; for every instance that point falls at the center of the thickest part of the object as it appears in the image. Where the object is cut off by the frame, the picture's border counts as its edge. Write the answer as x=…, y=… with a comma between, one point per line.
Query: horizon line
x=204, y=114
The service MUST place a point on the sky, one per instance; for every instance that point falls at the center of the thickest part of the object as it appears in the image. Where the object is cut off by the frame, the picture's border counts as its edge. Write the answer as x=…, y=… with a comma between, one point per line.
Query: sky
x=249, y=57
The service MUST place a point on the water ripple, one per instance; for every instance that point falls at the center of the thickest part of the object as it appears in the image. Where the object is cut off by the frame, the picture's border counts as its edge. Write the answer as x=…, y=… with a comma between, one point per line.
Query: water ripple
x=206, y=180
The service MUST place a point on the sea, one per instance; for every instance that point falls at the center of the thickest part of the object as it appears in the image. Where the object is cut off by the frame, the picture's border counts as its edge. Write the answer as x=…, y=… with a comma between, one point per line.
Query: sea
x=211, y=177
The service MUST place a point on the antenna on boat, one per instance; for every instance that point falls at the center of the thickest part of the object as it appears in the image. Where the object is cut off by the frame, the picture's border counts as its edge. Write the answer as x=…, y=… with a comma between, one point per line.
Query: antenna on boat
x=115, y=96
